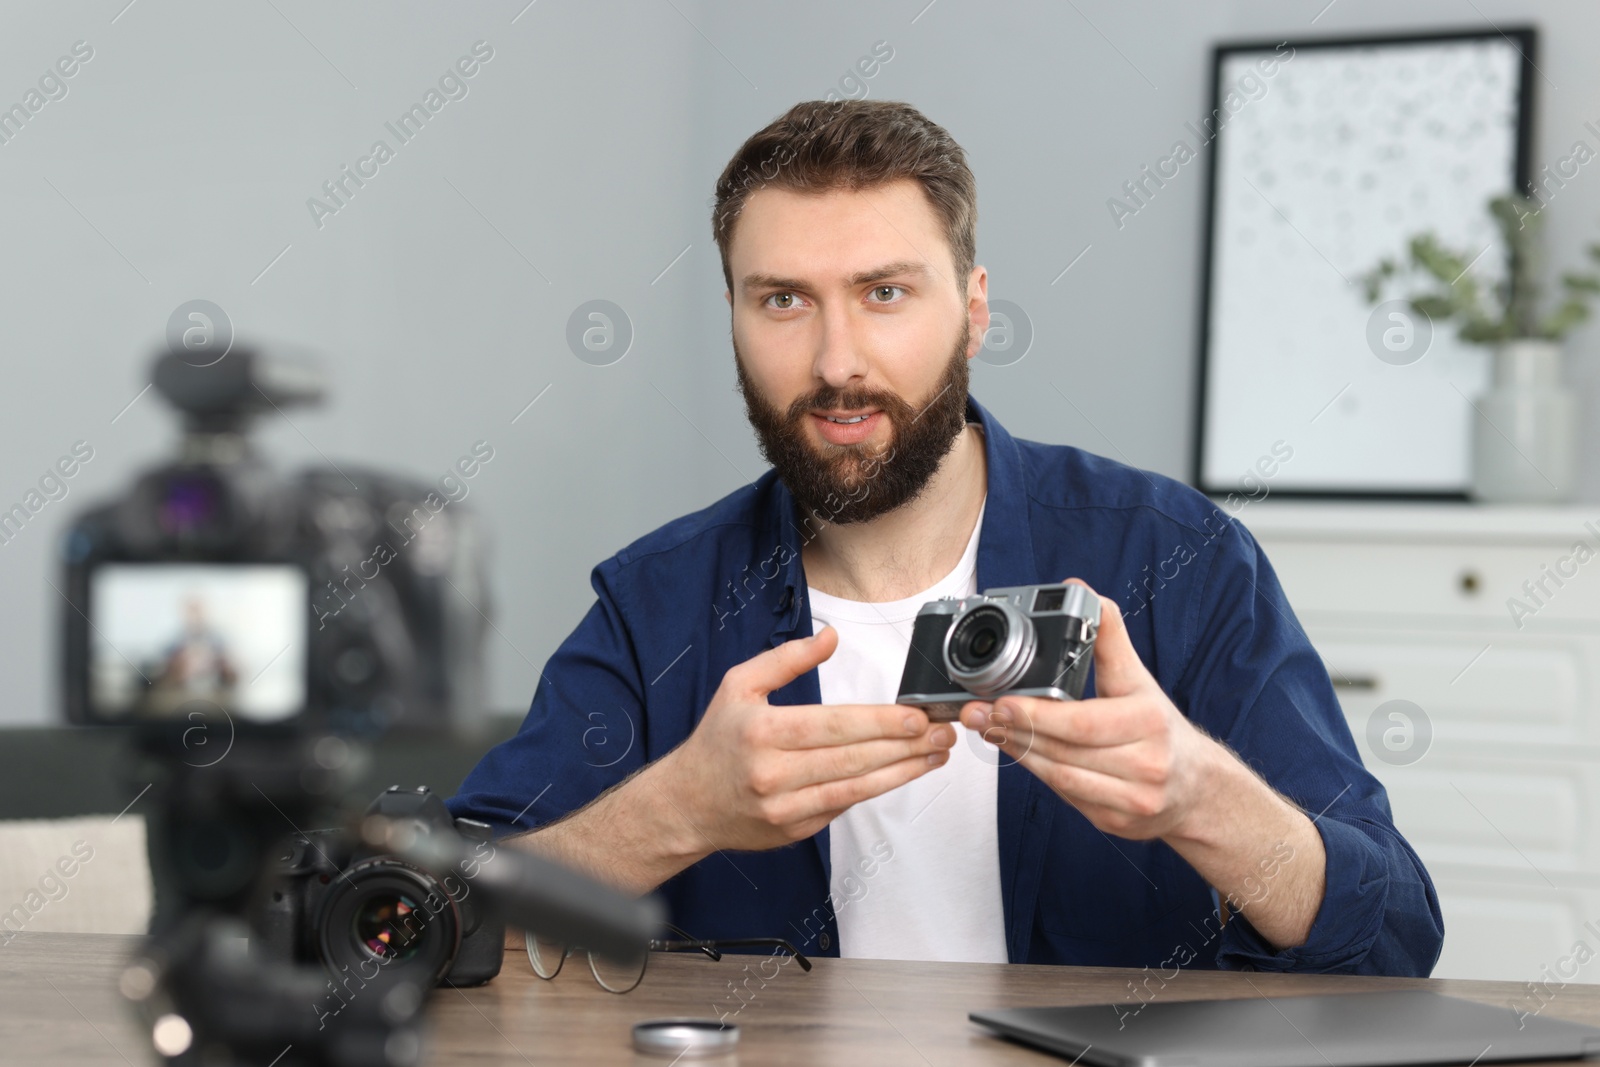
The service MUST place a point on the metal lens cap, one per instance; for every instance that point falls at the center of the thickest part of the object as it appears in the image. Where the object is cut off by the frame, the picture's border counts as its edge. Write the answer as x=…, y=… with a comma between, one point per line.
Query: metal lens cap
x=685, y=1038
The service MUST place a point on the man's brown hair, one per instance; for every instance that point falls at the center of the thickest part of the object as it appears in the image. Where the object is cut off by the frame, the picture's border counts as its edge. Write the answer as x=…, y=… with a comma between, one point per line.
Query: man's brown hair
x=820, y=145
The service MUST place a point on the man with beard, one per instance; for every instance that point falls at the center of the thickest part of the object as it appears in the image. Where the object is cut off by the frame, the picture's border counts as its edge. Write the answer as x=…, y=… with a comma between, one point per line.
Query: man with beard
x=721, y=726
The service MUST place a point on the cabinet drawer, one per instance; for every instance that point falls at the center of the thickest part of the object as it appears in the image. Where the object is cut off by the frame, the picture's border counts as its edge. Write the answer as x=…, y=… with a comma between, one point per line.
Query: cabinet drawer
x=1475, y=688
x=1463, y=581
x=1517, y=933
x=1524, y=818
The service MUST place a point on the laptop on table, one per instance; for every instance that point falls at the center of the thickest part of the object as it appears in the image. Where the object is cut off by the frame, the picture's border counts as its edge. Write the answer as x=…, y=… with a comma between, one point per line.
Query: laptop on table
x=1407, y=1026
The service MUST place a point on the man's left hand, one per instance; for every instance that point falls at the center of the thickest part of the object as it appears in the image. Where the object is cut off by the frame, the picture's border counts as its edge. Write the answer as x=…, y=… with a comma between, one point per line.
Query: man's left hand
x=1137, y=768
x=1127, y=758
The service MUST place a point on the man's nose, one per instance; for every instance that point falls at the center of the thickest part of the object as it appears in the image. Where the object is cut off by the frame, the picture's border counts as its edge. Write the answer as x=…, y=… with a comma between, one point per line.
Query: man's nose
x=840, y=359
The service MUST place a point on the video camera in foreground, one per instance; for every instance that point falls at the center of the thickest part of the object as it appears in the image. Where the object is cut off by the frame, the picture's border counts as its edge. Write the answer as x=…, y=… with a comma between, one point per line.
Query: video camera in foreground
x=240, y=623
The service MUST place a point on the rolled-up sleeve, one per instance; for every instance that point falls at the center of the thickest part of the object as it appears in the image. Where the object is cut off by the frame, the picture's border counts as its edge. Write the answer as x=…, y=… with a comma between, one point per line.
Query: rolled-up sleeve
x=1253, y=681
x=582, y=734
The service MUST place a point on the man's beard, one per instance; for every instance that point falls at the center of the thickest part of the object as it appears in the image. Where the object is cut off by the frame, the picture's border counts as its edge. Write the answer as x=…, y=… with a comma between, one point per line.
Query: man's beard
x=857, y=483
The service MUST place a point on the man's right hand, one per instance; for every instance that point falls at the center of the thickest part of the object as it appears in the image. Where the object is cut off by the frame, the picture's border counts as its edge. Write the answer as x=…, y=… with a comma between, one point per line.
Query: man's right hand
x=756, y=776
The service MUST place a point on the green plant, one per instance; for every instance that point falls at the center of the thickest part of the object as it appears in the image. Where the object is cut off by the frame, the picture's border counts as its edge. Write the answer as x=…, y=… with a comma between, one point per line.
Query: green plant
x=1507, y=310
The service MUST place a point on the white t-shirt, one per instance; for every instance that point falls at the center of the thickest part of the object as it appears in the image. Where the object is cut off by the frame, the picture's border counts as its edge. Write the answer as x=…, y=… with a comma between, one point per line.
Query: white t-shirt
x=916, y=871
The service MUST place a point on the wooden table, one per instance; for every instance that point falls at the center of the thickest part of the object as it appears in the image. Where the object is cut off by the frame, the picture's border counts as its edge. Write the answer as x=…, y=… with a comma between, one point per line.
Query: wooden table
x=59, y=1006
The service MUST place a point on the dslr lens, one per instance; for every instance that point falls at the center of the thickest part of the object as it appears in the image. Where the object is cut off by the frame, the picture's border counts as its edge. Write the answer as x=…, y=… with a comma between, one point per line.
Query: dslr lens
x=389, y=924
x=394, y=913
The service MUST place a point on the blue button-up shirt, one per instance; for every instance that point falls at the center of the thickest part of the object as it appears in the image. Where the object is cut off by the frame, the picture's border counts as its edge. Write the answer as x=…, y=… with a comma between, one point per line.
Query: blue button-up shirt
x=680, y=606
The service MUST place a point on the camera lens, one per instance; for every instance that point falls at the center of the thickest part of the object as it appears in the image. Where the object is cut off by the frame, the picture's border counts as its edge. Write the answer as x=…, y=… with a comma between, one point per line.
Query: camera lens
x=387, y=913
x=389, y=926
x=988, y=648
x=977, y=639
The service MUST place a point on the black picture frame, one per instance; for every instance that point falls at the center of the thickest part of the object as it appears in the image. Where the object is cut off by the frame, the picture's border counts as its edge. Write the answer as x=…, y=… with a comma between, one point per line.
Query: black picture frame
x=1524, y=39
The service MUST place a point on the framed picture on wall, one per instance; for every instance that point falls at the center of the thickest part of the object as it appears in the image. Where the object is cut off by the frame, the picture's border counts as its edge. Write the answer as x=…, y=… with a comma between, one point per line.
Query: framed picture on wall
x=1327, y=156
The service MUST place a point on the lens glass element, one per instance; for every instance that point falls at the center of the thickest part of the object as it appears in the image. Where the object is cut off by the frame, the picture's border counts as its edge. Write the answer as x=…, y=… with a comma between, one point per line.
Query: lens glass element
x=978, y=639
x=388, y=911
x=389, y=925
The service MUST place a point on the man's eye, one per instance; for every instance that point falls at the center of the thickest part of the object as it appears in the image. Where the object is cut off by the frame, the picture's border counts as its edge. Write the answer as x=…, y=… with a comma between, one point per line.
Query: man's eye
x=781, y=301
x=885, y=294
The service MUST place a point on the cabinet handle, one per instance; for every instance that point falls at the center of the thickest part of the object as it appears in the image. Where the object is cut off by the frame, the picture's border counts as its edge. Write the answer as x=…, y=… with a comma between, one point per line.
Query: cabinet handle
x=1358, y=681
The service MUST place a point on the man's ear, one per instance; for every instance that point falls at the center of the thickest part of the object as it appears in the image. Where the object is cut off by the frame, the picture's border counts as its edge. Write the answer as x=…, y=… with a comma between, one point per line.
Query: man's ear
x=977, y=309
x=728, y=296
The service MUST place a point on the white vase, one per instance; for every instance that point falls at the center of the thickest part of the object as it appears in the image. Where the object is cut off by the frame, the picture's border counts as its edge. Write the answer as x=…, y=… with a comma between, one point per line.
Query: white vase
x=1525, y=428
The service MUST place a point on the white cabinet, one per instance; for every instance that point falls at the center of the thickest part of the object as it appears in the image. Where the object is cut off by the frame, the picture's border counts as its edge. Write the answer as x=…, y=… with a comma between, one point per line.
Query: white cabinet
x=1464, y=643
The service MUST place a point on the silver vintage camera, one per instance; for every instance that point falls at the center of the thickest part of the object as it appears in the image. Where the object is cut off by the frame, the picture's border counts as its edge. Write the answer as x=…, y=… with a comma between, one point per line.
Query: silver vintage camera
x=1023, y=640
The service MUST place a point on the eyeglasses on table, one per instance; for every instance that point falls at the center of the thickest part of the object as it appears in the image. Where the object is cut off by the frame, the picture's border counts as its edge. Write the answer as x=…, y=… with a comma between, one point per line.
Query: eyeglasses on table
x=547, y=956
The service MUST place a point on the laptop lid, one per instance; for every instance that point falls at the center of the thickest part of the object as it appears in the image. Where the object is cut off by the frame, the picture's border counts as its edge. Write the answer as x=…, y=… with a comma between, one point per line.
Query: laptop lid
x=1407, y=1026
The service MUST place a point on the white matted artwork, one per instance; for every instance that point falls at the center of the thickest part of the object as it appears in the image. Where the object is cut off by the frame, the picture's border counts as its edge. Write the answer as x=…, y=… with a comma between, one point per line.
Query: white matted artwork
x=1319, y=171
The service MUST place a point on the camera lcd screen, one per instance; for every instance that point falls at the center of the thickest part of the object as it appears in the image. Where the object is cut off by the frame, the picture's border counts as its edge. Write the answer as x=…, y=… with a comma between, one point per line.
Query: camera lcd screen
x=166, y=639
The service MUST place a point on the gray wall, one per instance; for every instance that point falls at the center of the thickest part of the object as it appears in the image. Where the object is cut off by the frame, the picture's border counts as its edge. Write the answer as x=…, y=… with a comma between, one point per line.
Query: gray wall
x=578, y=166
